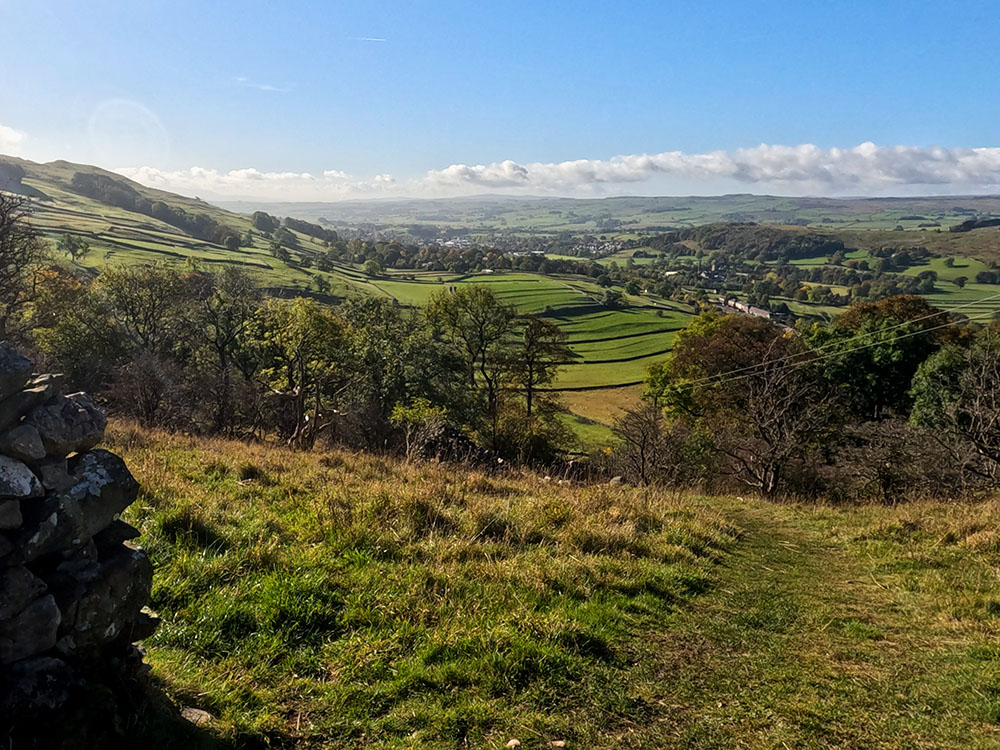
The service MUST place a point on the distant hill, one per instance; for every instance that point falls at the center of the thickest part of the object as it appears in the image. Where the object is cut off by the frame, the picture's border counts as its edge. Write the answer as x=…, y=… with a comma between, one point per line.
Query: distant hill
x=640, y=214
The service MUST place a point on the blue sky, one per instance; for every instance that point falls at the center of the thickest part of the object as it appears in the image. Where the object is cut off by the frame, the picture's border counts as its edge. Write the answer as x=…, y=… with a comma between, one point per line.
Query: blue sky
x=460, y=97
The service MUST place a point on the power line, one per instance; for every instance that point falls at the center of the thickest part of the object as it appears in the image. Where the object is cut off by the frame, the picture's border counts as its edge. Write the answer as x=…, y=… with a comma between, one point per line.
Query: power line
x=852, y=338
x=725, y=379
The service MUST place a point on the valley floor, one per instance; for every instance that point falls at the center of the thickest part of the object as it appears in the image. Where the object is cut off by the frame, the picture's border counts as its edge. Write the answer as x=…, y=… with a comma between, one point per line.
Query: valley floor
x=349, y=601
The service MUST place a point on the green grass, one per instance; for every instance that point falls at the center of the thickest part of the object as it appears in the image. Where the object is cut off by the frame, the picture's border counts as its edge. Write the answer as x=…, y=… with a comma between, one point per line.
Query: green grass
x=834, y=628
x=339, y=600
x=343, y=600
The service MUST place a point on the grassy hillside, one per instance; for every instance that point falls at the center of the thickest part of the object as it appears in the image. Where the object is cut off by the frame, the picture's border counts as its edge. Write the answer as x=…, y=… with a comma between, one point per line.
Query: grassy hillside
x=338, y=600
x=119, y=236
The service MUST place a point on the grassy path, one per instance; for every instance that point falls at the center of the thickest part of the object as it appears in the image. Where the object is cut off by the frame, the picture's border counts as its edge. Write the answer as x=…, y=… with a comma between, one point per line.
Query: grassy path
x=815, y=639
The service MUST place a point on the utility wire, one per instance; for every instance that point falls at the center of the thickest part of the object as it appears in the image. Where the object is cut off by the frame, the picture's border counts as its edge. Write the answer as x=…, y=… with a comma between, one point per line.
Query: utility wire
x=852, y=338
x=726, y=379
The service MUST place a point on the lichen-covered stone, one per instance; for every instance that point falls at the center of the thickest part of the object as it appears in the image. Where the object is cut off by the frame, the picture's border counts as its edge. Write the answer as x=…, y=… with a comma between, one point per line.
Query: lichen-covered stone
x=23, y=443
x=104, y=487
x=109, y=606
x=69, y=584
x=68, y=424
x=66, y=521
x=17, y=481
x=51, y=525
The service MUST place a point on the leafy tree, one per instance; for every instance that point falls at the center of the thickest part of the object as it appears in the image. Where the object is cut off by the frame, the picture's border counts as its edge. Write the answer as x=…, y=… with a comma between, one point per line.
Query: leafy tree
x=224, y=314
x=372, y=268
x=22, y=253
x=396, y=360
x=284, y=238
x=613, y=298
x=422, y=423
x=481, y=330
x=872, y=351
x=301, y=347
x=751, y=388
x=264, y=222
x=149, y=310
x=73, y=245
x=957, y=392
x=535, y=364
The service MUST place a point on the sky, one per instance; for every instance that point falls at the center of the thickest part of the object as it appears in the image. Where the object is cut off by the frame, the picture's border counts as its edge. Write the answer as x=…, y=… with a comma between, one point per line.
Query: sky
x=298, y=100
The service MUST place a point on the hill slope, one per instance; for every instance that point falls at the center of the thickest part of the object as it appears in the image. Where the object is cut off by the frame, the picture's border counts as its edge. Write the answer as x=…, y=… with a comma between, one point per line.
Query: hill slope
x=341, y=600
x=122, y=236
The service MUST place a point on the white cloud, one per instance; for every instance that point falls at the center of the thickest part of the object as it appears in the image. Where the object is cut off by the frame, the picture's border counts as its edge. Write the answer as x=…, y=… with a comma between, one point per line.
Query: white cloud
x=859, y=170
x=863, y=168
x=11, y=140
x=254, y=184
x=269, y=87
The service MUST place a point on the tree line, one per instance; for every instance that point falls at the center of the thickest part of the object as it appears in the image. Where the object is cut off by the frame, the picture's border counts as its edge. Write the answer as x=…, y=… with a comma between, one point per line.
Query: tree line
x=891, y=401
x=208, y=352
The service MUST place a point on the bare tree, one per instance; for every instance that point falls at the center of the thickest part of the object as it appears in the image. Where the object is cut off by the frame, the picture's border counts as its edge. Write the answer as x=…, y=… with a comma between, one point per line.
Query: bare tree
x=641, y=432
x=782, y=409
x=957, y=393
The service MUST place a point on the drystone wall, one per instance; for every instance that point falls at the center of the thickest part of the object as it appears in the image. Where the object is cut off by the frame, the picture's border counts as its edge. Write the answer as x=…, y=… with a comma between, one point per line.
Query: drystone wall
x=72, y=588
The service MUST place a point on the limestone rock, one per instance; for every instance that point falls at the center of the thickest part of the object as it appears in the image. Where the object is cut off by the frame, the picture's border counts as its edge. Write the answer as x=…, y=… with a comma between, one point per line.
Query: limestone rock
x=114, y=535
x=17, y=481
x=51, y=525
x=30, y=632
x=18, y=587
x=54, y=473
x=52, y=381
x=23, y=443
x=15, y=370
x=10, y=514
x=104, y=488
x=197, y=716
x=68, y=424
x=110, y=604
x=16, y=405
x=67, y=521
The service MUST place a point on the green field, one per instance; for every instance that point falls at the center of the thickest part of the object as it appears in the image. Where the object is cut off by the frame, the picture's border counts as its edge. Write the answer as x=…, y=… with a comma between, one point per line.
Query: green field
x=491, y=216
x=610, y=347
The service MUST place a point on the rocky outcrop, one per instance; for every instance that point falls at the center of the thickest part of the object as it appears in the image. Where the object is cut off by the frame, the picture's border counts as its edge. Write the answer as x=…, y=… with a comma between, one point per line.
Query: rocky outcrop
x=72, y=585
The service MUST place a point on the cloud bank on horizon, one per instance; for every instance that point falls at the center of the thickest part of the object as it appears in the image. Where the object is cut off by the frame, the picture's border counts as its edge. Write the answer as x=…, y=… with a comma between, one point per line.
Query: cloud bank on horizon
x=865, y=169
x=11, y=140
